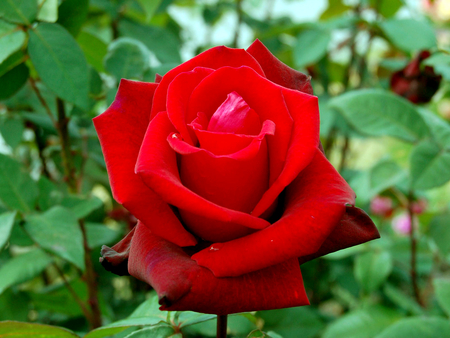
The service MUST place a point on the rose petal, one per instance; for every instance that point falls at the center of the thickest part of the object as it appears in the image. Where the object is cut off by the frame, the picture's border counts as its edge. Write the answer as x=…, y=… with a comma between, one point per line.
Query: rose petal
x=315, y=202
x=355, y=228
x=213, y=58
x=115, y=259
x=157, y=166
x=277, y=71
x=121, y=130
x=263, y=96
x=183, y=285
x=304, y=110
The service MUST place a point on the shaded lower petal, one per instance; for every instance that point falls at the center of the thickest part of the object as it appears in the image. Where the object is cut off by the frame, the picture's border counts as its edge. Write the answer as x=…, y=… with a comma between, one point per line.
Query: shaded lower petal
x=276, y=71
x=183, y=285
x=115, y=259
x=121, y=130
x=315, y=203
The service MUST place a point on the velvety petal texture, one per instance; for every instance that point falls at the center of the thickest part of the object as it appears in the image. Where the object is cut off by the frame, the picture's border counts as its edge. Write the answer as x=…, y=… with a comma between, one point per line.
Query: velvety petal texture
x=220, y=160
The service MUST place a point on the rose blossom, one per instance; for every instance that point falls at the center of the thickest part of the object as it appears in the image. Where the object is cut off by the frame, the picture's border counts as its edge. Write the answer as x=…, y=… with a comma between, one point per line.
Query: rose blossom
x=219, y=160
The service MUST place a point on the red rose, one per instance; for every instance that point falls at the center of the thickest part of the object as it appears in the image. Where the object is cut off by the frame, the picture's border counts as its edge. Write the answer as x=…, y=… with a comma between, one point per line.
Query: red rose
x=416, y=83
x=220, y=162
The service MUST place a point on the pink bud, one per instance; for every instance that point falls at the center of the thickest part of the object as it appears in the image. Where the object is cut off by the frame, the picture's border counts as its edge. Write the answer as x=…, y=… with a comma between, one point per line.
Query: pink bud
x=419, y=206
x=381, y=206
x=401, y=224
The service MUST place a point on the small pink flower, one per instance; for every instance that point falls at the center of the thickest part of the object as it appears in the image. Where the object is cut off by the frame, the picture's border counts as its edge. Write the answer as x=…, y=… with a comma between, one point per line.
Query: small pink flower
x=381, y=206
x=401, y=224
x=419, y=206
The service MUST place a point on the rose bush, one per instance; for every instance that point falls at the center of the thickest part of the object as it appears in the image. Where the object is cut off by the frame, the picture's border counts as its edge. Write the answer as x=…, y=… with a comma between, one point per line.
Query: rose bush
x=220, y=162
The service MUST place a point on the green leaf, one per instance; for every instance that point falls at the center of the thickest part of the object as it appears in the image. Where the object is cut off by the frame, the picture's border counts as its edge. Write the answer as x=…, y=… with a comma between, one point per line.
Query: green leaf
x=409, y=35
x=440, y=232
x=362, y=323
x=377, y=113
x=386, y=8
x=402, y=300
x=12, y=61
x=11, y=43
x=105, y=332
x=429, y=165
x=57, y=230
x=187, y=318
x=99, y=234
x=13, y=80
x=260, y=334
x=81, y=207
x=335, y=8
x=12, y=130
x=17, y=189
x=418, y=327
x=440, y=130
x=72, y=14
x=48, y=11
x=149, y=6
x=94, y=49
x=442, y=290
x=372, y=269
x=440, y=63
x=60, y=63
x=127, y=58
x=6, y=225
x=311, y=46
x=22, y=268
x=19, y=11
x=160, y=331
x=161, y=42
x=28, y=330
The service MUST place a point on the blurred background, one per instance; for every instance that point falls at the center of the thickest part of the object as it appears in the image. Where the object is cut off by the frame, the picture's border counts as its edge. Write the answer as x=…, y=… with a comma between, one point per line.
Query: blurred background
x=381, y=70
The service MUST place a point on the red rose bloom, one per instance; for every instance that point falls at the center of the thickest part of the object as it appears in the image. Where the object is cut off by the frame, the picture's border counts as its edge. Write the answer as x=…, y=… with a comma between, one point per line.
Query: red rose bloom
x=220, y=163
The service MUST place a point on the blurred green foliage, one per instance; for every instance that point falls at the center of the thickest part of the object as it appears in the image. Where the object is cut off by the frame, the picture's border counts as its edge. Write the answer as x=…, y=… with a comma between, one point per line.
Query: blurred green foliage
x=60, y=65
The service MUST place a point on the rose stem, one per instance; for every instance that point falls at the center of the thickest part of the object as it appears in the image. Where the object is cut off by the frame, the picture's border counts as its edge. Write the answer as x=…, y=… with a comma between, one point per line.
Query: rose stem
x=239, y=21
x=413, y=240
x=222, y=326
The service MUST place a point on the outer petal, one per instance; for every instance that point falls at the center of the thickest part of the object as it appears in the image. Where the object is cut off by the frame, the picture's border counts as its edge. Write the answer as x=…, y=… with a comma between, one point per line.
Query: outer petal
x=157, y=166
x=315, y=203
x=214, y=58
x=183, y=285
x=277, y=71
x=115, y=259
x=304, y=110
x=354, y=228
x=121, y=130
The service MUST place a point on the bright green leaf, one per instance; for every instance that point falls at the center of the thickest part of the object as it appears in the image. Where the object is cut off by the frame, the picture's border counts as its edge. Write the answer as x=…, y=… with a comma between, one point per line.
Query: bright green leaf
x=409, y=35
x=311, y=46
x=127, y=58
x=13, y=80
x=372, y=269
x=22, y=268
x=81, y=207
x=60, y=63
x=160, y=331
x=6, y=225
x=48, y=11
x=187, y=318
x=11, y=329
x=149, y=6
x=99, y=234
x=429, y=165
x=94, y=49
x=377, y=113
x=11, y=43
x=17, y=189
x=57, y=230
x=442, y=289
x=418, y=327
x=335, y=8
x=19, y=11
x=386, y=8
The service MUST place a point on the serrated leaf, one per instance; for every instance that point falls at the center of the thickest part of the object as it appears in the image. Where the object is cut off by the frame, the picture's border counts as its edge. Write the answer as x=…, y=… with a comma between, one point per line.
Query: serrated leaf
x=429, y=165
x=60, y=63
x=22, y=268
x=6, y=225
x=28, y=330
x=17, y=190
x=57, y=230
x=81, y=207
x=311, y=46
x=409, y=35
x=372, y=269
x=377, y=113
x=418, y=327
x=11, y=43
x=19, y=11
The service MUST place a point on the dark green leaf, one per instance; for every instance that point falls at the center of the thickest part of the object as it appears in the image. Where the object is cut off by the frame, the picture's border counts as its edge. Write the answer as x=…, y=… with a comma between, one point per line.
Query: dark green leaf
x=377, y=113
x=23, y=267
x=418, y=327
x=13, y=80
x=149, y=6
x=94, y=49
x=60, y=62
x=442, y=289
x=386, y=8
x=127, y=58
x=12, y=130
x=311, y=46
x=261, y=334
x=28, y=330
x=440, y=232
x=17, y=189
x=11, y=43
x=409, y=35
x=402, y=300
x=6, y=225
x=429, y=165
x=12, y=61
x=57, y=230
x=72, y=14
x=19, y=11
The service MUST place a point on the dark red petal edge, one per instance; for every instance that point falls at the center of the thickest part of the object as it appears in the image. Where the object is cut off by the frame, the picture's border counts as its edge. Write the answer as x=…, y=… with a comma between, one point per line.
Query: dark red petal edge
x=115, y=259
